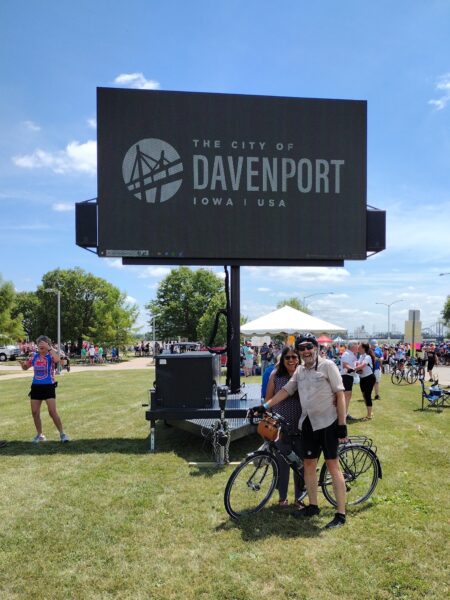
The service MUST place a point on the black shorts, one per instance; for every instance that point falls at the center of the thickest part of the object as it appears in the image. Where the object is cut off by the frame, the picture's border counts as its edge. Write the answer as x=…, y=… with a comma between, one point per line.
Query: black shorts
x=325, y=439
x=347, y=380
x=42, y=391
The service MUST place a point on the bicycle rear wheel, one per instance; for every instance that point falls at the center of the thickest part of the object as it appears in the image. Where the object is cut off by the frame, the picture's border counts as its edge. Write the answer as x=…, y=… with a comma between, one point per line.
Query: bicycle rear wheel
x=251, y=485
x=412, y=375
x=359, y=466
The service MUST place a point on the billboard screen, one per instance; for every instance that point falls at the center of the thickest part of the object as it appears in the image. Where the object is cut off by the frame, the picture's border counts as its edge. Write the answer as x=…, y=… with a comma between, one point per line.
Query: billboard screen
x=222, y=178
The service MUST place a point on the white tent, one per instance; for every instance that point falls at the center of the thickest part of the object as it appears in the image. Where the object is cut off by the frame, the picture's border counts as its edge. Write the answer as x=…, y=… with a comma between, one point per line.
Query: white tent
x=289, y=321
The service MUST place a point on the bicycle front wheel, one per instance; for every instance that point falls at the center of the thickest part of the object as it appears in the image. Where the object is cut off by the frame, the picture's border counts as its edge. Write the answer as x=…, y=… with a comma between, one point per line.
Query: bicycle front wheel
x=397, y=376
x=359, y=466
x=251, y=485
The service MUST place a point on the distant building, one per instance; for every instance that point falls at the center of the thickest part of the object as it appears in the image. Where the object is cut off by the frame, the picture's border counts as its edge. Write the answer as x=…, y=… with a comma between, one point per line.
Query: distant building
x=360, y=333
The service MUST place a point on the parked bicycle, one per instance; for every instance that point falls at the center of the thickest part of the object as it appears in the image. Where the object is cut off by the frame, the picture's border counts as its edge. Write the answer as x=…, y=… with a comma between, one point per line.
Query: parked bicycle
x=254, y=480
x=407, y=373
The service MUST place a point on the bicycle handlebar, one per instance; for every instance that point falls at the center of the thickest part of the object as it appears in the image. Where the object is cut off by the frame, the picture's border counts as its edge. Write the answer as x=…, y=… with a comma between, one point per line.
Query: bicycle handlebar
x=271, y=413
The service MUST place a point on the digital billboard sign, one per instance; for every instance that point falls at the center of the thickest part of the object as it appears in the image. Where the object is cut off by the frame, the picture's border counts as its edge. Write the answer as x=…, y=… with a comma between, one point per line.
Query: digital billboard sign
x=230, y=179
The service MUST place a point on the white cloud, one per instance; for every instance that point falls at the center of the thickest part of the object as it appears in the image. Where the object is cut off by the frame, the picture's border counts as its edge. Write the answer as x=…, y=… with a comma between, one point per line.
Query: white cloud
x=406, y=224
x=63, y=207
x=114, y=263
x=92, y=123
x=131, y=300
x=76, y=158
x=253, y=310
x=300, y=275
x=154, y=272
x=263, y=289
x=442, y=85
x=31, y=126
x=136, y=81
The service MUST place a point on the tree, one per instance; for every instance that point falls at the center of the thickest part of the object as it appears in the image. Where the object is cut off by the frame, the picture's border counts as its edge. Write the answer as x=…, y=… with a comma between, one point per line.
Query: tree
x=294, y=302
x=11, y=328
x=182, y=298
x=446, y=312
x=91, y=308
x=26, y=307
x=208, y=319
x=114, y=321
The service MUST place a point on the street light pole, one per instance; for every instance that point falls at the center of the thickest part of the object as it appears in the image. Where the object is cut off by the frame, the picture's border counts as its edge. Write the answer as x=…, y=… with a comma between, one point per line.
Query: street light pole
x=58, y=325
x=154, y=334
x=316, y=294
x=389, y=315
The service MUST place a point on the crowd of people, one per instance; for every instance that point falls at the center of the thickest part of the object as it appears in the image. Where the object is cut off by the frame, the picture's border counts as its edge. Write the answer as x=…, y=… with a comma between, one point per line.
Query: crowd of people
x=88, y=352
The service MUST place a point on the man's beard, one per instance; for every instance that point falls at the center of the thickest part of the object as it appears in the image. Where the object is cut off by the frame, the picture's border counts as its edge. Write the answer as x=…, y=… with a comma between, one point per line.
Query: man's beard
x=310, y=361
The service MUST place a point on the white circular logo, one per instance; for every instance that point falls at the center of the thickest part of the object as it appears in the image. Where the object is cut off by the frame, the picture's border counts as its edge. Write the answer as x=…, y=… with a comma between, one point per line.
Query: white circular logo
x=152, y=170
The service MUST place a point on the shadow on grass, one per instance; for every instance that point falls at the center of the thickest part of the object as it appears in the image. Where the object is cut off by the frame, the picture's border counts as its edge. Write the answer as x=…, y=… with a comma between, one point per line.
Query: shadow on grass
x=273, y=521
x=81, y=446
x=279, y=522
x=187, y=446
x=198, y=448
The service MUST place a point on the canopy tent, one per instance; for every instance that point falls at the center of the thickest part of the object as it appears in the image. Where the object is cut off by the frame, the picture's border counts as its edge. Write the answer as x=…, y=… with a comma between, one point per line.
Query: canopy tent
x=324, y=339
x=338, y=339
x=289, y=321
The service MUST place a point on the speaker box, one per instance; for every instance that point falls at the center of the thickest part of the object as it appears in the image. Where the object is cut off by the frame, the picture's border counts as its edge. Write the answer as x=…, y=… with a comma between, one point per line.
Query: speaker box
x=375, y=230
x=186, y=380
x=86, y=224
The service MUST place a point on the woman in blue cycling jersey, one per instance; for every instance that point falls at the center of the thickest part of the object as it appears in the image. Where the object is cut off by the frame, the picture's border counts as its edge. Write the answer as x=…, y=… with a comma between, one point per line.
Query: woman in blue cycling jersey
x=43, y=386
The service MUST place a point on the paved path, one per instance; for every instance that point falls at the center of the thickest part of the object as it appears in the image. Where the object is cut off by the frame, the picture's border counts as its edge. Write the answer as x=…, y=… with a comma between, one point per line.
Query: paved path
x=133, y=363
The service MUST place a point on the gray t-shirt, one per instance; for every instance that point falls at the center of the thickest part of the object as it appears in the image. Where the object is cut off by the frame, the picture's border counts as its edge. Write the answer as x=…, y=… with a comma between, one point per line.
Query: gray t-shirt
x=317, y=390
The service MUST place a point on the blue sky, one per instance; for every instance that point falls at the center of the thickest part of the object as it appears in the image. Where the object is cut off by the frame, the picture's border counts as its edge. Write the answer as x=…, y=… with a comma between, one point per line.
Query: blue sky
x=395, y=55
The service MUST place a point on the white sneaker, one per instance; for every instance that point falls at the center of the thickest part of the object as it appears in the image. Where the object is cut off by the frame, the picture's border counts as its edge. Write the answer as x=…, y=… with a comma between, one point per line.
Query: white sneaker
x=64, y=438
x=39, y=438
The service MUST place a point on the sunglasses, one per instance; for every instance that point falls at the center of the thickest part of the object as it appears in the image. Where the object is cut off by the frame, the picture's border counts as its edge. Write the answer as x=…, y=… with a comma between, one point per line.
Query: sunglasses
x=307, y=346
x=291, y=357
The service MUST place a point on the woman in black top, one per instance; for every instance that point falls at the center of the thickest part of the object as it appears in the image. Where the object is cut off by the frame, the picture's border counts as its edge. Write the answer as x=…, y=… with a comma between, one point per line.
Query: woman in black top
x=291, y=410
x=432, y=360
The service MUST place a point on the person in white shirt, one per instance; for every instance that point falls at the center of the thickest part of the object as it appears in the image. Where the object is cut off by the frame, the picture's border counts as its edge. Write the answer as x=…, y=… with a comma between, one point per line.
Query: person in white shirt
x=322, y=421
x=365, y=368
x=348, y=362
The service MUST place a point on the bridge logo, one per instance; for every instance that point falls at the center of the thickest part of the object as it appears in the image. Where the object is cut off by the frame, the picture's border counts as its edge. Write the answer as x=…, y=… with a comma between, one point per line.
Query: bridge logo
x=152, y=170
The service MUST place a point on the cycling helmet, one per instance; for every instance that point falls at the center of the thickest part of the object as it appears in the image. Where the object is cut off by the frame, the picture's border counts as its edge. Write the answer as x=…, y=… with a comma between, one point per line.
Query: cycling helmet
x=305, y=337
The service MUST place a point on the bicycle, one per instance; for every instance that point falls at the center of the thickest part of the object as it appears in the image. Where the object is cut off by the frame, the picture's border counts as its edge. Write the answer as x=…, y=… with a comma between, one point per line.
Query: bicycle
x=254, y=480
x=408, y=373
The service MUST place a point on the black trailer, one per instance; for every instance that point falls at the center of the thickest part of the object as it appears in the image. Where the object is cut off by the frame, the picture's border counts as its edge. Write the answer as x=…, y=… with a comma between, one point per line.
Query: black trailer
x=187, y=394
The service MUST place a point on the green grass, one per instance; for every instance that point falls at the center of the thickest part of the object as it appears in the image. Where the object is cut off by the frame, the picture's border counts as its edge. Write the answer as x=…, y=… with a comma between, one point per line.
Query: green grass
x=101, y=518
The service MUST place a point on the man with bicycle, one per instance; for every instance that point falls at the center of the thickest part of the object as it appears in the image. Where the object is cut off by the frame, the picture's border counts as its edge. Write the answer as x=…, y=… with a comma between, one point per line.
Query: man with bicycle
x=322, y=423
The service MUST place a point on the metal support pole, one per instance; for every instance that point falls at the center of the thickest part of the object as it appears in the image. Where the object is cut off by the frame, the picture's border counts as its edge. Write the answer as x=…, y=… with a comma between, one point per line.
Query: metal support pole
x=389, y=324
x=151, y=446
x=58, y=293
x=236, y=321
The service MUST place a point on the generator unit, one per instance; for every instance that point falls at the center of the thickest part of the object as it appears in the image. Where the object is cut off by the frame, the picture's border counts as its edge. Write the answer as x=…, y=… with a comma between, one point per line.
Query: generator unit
x=187, y=380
